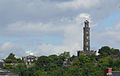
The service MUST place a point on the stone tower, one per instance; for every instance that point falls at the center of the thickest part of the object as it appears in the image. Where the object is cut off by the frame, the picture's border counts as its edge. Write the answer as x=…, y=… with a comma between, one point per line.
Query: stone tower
x=86, y=37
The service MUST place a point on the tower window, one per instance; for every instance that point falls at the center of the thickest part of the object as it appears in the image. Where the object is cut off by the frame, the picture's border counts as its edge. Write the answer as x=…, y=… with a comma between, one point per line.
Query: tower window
x=87, y=37
x=86, y=48
x=87, y=32
x=86, y=43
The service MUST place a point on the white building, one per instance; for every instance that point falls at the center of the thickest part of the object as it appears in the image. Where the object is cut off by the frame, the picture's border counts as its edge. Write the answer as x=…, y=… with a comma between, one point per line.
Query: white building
x=29, y=60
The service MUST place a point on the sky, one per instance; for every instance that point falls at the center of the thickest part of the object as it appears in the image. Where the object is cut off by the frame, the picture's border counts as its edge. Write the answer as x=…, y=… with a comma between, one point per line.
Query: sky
x=46, y=27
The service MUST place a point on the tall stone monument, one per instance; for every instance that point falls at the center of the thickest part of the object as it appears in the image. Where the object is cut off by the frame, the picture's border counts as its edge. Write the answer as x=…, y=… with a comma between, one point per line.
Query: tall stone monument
x=86, y=37
x=86, y=40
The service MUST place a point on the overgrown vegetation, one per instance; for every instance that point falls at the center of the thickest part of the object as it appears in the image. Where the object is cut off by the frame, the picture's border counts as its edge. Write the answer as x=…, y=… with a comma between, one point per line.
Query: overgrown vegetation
x=84, y=65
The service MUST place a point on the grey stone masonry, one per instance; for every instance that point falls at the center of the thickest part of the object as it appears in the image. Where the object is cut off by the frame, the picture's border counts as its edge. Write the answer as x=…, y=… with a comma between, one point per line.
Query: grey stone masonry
x=86, y=37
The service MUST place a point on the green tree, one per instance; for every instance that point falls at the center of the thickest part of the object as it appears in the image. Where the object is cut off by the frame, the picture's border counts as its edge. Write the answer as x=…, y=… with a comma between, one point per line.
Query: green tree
x=40, y=73
x=21, y=69
x=56, y=60
x=11, y=58
x=43, y=63
x=115, y=51
x=8, y=66
x=59, y=71
x=105, y=51
x=65, y=56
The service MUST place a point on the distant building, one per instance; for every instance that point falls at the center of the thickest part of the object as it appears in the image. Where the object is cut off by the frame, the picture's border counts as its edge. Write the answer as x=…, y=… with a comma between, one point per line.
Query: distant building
x=29, y=59
x=86, y=40
x=1, y=64
x=4, y=72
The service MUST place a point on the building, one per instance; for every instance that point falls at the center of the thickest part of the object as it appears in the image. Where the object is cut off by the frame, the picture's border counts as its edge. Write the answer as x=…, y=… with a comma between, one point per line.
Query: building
x=4, y=72
x=29, y=60
x=86, y=40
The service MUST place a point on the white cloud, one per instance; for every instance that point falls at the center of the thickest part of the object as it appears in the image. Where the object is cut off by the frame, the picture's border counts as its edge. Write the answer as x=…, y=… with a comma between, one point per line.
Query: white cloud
x=107, y=37
x=34, y=29
x=31, y=29
x=9, y=47
x=49, y=49
x=29, y=53
x=72, y=41
x=40, y=27
x=82, y=17
x=77, y=4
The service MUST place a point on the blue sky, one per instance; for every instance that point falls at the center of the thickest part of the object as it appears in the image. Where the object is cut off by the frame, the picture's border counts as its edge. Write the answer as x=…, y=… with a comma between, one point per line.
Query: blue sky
x=110, y=21
x=45, y=27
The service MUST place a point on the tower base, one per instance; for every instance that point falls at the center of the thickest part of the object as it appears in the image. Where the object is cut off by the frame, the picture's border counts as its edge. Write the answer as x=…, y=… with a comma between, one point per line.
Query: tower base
x=86, y=52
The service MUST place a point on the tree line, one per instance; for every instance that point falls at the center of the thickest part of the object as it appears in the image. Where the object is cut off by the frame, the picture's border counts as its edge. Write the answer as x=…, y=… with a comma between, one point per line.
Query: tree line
x=66, y=65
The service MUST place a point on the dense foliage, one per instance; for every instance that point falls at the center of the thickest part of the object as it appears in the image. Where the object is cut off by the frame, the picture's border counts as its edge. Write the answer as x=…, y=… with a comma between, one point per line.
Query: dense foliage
x=84, y=65
x=12, y=59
